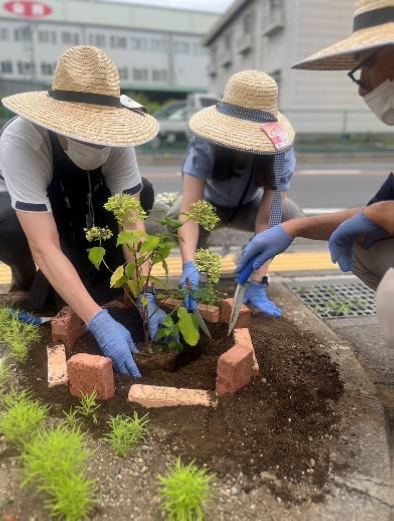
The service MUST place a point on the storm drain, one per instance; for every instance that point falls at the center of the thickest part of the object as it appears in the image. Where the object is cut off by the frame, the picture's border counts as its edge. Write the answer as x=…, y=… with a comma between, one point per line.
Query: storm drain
x=338, y=300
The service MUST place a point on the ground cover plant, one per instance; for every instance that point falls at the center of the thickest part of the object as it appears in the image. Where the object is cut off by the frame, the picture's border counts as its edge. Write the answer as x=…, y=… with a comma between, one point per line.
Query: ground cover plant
x=54, y=463
x=22, y=416
x=88, y=408
x=144, y=252
x=185, y=491
x=16, y=335
x=125, y=432
x=5, y=373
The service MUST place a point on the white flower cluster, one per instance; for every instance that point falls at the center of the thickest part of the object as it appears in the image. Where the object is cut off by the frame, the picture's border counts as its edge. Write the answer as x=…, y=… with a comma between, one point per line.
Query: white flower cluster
x=168, y=198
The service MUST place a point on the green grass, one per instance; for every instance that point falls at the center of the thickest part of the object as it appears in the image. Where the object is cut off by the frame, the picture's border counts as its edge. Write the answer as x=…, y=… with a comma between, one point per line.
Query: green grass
x=5, y=373
x=54, y=462
x=185, y=491
x=22, y=417
x=126, y=432
x=71, y=418
x=18, y=336
x=88, y=406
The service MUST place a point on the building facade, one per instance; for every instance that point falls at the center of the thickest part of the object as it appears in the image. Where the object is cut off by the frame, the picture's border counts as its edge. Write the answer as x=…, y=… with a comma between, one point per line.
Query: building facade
x=273, y=35
x=156, y=49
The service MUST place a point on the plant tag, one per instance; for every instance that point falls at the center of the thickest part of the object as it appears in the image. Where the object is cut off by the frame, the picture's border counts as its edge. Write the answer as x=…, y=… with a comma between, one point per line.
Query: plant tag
x=277, y=135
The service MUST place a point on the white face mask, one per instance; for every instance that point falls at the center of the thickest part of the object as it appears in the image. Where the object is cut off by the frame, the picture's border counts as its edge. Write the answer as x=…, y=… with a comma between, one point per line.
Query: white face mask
x=381, y=102
x=85, y=156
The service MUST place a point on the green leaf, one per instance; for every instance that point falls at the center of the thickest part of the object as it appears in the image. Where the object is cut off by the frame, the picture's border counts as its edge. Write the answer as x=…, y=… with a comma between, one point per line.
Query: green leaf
x=173, y=224
x=187, y=326
x=165, y=267
x=96, y=256
x=130, y=270
x=168, y=322
x=117, y=279
x=156, y=281
x=162, y=332
x=150, y=244
x=130, y=237
x=134, y=287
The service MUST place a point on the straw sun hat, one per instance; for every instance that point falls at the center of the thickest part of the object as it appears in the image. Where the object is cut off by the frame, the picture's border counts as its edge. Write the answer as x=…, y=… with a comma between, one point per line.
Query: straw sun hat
x=85, y=103
x=249, y=104
x=373, y=27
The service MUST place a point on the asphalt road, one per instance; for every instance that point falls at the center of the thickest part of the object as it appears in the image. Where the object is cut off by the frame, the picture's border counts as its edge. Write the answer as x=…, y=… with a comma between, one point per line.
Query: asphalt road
x=314, y=186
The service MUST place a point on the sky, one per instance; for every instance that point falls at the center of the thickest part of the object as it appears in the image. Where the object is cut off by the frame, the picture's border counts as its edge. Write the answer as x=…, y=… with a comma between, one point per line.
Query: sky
x=203, y=5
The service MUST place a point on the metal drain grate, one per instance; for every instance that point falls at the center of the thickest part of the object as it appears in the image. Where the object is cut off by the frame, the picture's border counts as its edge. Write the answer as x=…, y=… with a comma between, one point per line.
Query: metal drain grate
x=338, y=300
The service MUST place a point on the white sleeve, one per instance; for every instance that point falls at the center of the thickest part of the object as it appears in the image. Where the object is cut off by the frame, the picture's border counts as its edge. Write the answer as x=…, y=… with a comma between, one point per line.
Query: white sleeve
x=27, y=171
x=121, y=172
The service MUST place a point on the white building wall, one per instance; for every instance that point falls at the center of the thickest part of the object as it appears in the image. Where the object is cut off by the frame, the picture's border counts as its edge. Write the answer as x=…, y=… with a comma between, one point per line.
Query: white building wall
x=315, y=102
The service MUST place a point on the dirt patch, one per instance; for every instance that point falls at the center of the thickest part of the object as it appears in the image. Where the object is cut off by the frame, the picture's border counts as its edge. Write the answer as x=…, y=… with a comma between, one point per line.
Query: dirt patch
x=281, y=424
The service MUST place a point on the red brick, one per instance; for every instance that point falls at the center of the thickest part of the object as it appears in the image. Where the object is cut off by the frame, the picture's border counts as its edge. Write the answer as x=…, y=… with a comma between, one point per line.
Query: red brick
x=67, y=327
x=245, y=315
x=171, y=303
x=152, y=396
x=87, y=373
x=234, y=370
x=242, y=337
x=209, y=313
x=57, y=366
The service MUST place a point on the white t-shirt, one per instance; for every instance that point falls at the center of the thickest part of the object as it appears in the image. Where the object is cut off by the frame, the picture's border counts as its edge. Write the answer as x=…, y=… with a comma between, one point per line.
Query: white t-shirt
x=26, y=167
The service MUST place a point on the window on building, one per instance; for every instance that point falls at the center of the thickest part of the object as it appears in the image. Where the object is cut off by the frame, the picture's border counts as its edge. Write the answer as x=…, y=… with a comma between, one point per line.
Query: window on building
x=25, y=68
x=69, y=38
x=247, y=23
x=123, y=73
x=47, y=37
x=118, y=42
x=227, y=41
x=4, y=34
x=140, y=74
x=182, y=47
x=138, y=44
x=47, y=69
x=157, y=45
x=22, y=34
x=159, y=75
x=98, y=40
x=6, y=67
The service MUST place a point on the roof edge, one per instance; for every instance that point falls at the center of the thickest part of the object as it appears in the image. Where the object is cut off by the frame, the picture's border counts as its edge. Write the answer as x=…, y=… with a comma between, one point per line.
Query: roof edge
x=224, y=20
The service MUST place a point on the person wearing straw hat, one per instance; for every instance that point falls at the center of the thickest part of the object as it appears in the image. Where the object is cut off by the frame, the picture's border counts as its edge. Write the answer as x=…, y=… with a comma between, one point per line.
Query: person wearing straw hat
x=360, y=239
x=241, y=160
x=68, y=150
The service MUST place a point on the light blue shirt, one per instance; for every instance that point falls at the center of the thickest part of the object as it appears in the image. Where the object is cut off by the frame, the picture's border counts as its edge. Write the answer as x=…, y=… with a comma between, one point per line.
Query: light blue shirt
x=199, y=163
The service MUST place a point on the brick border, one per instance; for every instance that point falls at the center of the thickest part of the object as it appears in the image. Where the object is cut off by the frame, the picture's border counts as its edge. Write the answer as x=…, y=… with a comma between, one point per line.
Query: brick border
x=235, y=369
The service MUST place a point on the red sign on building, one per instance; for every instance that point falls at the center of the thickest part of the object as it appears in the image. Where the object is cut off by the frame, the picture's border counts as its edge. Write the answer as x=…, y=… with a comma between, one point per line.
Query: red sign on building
x=28, y=9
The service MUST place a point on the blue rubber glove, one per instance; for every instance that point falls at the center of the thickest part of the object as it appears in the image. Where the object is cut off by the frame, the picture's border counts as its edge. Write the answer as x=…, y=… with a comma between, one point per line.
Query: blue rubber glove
x=266, y=245
x=156, y=316
x=342, y=240
x=257, y=299
x=191, y=274
x=115, y=342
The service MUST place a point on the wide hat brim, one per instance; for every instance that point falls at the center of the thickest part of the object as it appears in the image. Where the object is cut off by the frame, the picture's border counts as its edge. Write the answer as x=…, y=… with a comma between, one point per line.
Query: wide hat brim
x=235, y=133
x=95, y=124
x=345, y=55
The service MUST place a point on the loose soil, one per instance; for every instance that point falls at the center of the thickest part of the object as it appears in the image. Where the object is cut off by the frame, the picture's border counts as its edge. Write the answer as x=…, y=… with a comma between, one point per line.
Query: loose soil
x=281, y=425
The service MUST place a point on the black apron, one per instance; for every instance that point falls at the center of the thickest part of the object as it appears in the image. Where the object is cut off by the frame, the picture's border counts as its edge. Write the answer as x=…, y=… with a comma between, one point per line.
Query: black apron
x=77, y=197
x=385, y=192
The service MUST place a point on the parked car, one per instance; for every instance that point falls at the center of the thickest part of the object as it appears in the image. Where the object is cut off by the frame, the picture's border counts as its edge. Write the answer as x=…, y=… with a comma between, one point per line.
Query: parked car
x=174, y=118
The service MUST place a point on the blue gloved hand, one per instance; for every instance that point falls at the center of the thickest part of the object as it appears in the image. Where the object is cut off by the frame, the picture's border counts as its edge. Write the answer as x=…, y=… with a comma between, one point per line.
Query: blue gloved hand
x=257, y=299
x=342, y=240
x=191, y=274
x=115, y=342
x=155, y=315
x=266, y=245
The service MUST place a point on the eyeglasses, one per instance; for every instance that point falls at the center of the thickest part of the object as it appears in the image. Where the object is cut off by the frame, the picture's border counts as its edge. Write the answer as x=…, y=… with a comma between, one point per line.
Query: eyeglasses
x=355, y=74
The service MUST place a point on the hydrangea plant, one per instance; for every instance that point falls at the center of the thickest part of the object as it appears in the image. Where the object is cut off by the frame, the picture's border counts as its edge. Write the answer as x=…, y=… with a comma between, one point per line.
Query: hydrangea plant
x=146, y=251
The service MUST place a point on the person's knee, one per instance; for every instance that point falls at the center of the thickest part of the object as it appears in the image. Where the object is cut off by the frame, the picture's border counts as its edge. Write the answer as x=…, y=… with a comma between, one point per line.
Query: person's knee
x=147, y=195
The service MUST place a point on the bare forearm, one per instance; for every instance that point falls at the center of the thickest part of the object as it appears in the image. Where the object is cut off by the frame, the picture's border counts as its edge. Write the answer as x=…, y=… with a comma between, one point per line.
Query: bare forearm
x=382, y=214
x=320, y=227
x=63, y=277
x=188, y=235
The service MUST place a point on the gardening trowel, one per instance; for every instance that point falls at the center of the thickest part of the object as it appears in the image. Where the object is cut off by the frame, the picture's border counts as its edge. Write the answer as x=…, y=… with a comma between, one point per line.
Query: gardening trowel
x=240, y=293
x=30, y=319
x=384, y=305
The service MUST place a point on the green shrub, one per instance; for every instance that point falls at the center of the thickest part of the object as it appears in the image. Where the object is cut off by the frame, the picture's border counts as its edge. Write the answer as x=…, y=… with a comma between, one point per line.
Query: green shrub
x=185, y=491
x=126, y=432
x=54, y=461
x=22, y=417
x=5, y=373
x=16, y=335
